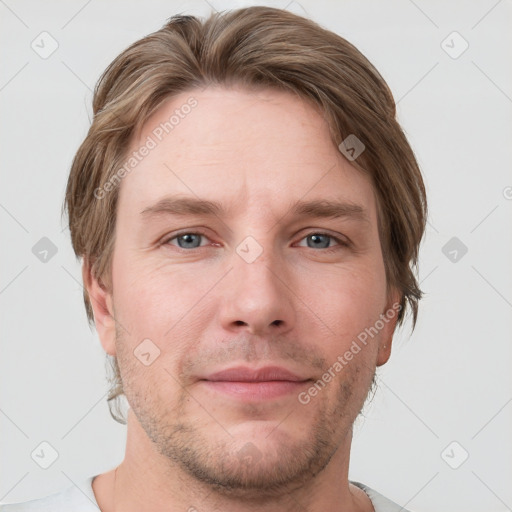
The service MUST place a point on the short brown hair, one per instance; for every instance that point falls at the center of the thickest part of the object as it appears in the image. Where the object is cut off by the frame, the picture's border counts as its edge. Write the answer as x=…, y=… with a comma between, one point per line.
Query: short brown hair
x=252, y=47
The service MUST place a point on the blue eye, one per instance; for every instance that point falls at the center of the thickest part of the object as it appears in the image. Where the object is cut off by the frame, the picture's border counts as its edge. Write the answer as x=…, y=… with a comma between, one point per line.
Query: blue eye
x=192, y=240
x=319, y=240
x=187, y=240
x=322, y=241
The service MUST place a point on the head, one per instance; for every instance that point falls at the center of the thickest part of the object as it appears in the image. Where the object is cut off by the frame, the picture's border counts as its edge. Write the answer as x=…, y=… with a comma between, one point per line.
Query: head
x=298, y=247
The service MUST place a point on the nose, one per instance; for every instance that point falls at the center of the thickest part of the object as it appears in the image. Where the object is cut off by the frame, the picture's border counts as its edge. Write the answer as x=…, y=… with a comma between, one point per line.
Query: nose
x=257, y=297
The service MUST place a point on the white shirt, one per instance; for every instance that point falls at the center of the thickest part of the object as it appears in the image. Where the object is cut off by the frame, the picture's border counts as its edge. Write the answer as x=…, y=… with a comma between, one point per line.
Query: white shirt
x=80, y=498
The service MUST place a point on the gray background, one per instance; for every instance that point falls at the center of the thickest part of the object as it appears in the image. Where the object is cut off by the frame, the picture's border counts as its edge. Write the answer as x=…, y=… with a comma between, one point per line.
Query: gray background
x=450, y=381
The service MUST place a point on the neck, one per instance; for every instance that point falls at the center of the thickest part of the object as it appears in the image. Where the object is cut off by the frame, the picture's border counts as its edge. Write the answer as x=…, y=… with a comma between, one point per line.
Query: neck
x=146, y=480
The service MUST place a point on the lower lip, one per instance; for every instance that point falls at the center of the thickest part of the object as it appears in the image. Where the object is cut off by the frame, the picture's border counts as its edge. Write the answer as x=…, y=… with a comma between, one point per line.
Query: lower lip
x=256, y=390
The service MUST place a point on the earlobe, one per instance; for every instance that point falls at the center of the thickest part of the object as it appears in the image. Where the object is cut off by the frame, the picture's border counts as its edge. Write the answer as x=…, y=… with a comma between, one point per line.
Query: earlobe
x=101, y=302
x=384, y=354
x=390, y=318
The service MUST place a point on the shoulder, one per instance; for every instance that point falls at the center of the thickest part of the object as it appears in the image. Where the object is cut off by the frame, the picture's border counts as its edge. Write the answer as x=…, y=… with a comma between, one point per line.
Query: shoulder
x=380, y=503
x=79, y=498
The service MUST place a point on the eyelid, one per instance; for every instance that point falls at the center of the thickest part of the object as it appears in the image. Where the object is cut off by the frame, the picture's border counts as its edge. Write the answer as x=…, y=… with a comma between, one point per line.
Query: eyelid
x=341, y=241
x=166, y=239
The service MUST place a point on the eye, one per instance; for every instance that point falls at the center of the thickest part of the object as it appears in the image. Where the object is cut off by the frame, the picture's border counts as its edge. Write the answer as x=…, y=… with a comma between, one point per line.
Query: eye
x=186, y=240
x=322, y=241
x=192, y=240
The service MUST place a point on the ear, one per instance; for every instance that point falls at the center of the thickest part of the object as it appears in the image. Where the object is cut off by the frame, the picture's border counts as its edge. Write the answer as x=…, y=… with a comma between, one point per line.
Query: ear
x=102, y=305
x=389, y=318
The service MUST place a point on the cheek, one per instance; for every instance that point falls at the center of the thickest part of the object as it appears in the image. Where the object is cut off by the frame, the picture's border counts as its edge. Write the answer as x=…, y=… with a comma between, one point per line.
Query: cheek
x=155, y=300
x=350, y=304
x=353, y=299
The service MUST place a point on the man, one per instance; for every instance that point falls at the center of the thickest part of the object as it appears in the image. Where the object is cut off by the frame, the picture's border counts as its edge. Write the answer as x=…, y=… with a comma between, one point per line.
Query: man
x=248, y=212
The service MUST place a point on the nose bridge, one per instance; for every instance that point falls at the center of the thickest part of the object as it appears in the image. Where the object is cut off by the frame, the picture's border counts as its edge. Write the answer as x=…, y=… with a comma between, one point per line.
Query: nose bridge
x=255, y=265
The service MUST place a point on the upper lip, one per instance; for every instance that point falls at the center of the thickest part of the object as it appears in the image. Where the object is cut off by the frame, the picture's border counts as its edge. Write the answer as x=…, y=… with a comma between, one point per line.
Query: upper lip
x=246, y=374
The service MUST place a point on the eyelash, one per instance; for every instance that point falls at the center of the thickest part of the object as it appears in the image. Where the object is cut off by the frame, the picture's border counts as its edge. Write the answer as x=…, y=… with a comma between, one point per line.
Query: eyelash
x=341, y=243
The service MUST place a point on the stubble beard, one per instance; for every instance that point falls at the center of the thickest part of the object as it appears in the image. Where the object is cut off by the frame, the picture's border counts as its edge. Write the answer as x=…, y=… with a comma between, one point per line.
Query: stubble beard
x=238, y=468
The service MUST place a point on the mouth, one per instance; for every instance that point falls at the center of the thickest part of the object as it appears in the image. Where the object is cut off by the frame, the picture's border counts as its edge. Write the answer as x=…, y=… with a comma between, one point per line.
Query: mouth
x=250, y=384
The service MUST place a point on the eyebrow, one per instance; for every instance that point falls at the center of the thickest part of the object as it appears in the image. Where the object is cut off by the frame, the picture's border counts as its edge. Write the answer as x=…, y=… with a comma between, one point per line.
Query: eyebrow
x=183, y=206
x=319, y=208
x=326, y=208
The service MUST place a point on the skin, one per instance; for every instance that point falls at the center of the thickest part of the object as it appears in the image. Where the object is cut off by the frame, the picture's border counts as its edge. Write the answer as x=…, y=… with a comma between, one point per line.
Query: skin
x=206, y=308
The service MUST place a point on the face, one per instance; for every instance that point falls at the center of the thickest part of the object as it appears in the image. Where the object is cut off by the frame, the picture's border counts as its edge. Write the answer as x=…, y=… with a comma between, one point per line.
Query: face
x=286, y=271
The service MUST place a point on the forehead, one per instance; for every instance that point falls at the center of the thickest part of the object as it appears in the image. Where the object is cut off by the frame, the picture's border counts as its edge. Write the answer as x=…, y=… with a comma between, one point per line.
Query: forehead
x=241, y=147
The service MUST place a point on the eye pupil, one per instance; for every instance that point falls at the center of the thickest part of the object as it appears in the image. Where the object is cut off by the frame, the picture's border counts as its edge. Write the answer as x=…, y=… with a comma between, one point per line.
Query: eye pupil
x=317, y=238
x=189, y=239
